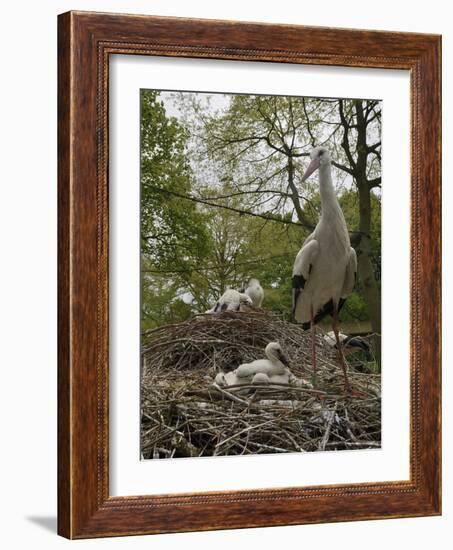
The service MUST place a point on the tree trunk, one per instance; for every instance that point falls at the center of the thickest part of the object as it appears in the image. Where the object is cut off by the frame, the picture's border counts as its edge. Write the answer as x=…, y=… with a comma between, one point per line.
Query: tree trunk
x=371, y=291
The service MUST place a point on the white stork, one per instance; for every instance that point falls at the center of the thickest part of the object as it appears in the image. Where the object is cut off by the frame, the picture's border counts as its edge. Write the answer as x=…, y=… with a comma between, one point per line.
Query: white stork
x=231, y=300
x=255, y=292
x=325, y=268
x=276, y=363
x=349, y=342
x=261, y=371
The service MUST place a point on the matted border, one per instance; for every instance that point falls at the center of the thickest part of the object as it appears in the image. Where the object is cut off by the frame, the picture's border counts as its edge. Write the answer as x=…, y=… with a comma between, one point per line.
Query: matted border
x=86, y=40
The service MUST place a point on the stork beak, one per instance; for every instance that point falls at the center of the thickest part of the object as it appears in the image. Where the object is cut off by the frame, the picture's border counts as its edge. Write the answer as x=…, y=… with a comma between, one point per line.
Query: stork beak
x=314, y=165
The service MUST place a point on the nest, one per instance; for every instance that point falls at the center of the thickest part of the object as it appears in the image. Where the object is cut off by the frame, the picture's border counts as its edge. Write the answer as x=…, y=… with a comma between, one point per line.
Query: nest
x=185, y=415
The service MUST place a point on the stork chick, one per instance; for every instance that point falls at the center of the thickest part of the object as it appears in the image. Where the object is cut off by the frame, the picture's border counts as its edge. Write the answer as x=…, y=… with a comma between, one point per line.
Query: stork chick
x=275, y=364
x=255, y=292
x=231, y=300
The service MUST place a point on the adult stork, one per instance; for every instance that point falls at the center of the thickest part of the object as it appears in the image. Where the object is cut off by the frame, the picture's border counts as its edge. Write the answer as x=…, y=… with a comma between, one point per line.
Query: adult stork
x=349, y=342
x=325, y=268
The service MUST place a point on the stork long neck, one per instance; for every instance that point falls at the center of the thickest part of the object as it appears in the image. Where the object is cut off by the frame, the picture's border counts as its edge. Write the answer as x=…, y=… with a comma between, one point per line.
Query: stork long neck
x=329, y=202
x=272, y=358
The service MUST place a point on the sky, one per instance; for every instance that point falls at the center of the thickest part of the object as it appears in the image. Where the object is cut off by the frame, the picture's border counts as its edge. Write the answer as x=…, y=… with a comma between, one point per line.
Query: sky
x=218, y=102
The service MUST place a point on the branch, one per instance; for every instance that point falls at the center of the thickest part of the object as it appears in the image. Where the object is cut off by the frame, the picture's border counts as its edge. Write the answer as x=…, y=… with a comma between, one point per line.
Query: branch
x=372, y=148
x=227, y=143
x=252, y=192
x=343, y=167
x=345, y=142
x=291, y=113
x=312, y=137
x=273, y=128
x=376, y=182
x=201, y=200
x=377, y=114
x=298, y=155
x=157, y=236
x=216, y=267
x=295, y=194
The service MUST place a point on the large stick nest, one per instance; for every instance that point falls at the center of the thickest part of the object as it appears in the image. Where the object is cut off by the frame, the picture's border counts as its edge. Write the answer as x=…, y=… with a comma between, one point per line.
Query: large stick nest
x=183, y=414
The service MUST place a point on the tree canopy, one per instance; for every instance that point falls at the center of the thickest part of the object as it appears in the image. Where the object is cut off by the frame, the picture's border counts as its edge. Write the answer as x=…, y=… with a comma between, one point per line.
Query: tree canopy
x=222, y=197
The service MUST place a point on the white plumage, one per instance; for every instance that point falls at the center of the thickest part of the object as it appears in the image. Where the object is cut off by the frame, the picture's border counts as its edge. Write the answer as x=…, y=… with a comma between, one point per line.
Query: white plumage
x=329, y=338
x=260, y=379
x=325, y=268
x=231, y=300
x=255, y=292
x=275, y=364
x=350, y=343
x=220, y=379
x=274, y=369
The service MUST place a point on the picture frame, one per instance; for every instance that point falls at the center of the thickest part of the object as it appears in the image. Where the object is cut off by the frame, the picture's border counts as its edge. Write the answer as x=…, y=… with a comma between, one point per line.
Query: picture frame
x=86, y=41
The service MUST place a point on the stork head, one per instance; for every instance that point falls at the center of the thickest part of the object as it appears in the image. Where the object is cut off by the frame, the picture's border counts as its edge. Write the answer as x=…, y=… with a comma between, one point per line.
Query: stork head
x=319, y=157
x=244, y=286
x=275, y=353
x=220, y=380
x=244, y=299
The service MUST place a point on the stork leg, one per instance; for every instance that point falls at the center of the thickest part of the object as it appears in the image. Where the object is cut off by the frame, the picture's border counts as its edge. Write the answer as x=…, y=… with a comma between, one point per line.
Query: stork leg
x=313, y=344
x=347, y=386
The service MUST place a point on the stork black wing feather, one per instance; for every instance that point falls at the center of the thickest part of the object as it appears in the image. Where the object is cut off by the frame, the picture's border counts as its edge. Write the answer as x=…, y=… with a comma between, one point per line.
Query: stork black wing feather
x=357, y=342
x=298, y=285
x=327, y=309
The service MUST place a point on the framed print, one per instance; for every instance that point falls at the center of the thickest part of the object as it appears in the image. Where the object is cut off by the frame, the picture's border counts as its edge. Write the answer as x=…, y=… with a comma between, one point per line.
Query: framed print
x=249, y=243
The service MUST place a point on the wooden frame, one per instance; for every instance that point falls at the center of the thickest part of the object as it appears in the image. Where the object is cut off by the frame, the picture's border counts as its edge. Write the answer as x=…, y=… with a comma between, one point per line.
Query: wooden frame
x=85, y=41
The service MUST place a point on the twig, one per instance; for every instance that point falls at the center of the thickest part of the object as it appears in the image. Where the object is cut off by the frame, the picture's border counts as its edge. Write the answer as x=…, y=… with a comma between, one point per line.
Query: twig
x=325, y=439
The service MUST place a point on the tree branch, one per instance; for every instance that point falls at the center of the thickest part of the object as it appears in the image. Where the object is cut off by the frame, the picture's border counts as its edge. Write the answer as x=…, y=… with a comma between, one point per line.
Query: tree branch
x=312, y=137
x=376, y=182
x=345, y=141
x=342, y=167
x=201, y=200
